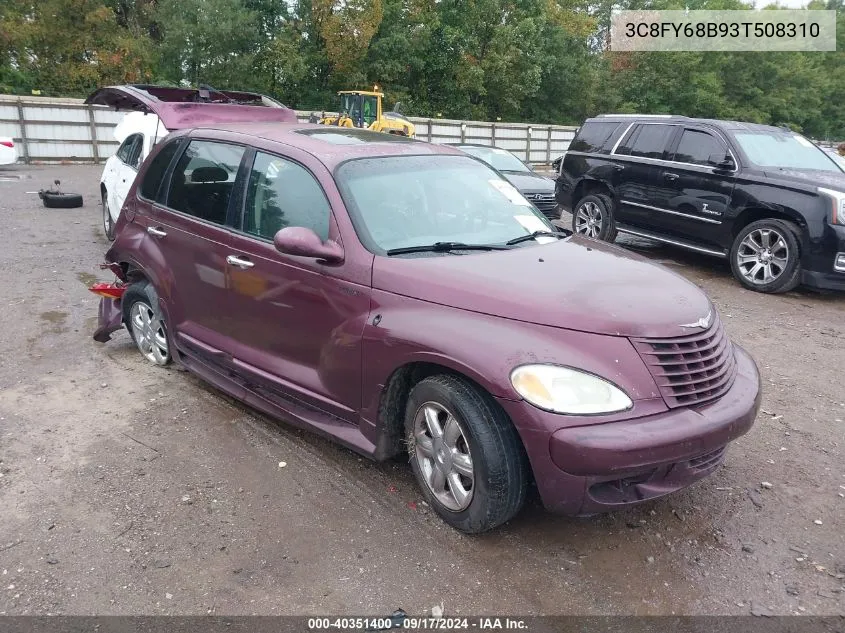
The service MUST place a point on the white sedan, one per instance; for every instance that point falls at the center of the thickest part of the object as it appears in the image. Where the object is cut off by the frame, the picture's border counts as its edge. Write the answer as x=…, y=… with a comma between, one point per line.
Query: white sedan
x=8, y=152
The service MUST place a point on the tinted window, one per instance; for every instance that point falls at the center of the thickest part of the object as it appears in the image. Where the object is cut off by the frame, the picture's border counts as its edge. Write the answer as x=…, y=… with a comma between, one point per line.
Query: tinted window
x=652, y=140
x=281, y=194
x=697, y=146
x=155, y=172
x=203, y=180
x=592, y=136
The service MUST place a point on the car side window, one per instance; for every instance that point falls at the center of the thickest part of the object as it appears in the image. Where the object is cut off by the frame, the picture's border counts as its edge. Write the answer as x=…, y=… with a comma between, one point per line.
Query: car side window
x=282, y=193
x=696, y=146
x=652, y=141
x=203, y=180
x=125, y=150
x=592, y=136
x=154, y=175
x=135, y=154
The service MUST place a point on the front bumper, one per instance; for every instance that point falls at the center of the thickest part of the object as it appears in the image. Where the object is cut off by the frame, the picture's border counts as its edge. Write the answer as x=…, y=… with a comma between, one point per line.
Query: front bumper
x=595, y=468
x=819, y=260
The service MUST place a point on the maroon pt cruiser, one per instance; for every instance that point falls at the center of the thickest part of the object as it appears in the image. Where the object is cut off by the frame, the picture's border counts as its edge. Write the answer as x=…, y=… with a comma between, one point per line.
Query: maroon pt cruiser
x=398, y=296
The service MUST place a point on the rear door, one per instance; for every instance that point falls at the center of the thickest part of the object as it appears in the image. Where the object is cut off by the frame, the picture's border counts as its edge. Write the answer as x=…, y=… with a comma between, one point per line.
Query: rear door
x=190, y=226
x=639, y=183
x=695, y=194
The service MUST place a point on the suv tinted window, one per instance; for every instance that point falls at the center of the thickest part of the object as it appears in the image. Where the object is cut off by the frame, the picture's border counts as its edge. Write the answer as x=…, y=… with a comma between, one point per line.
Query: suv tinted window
x=281, y=194
x=155, y=172
x=696, y=147
x=203, y=179
x=592, y=136
x=135, y=154
x=652, y=140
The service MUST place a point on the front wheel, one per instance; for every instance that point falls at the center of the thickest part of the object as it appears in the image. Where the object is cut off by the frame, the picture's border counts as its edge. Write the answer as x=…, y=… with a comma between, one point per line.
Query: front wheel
x=593, y=217
x=465, y=453
x=765, y=256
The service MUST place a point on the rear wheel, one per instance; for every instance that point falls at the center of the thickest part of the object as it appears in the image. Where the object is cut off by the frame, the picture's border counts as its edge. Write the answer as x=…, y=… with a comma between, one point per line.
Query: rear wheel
x=146, y=323
x=108, y=223
x=593, y=217
x=465, y=453
x=765, y=256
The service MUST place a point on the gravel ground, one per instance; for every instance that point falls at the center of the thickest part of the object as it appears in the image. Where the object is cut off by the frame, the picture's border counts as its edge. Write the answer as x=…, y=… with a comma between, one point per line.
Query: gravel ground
x=129, y=489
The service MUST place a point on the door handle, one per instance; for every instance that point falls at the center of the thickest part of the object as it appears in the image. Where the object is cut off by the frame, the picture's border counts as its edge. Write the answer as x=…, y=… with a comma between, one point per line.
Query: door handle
x=156, y=231
x=240, y=262
x=670, y=176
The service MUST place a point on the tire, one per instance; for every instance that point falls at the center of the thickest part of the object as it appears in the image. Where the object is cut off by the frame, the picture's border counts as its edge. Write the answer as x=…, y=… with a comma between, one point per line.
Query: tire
x=145, y=323
x=53, y=200
x=775, y=266
x=108, y=223
x=484, y=443
x=593, y=216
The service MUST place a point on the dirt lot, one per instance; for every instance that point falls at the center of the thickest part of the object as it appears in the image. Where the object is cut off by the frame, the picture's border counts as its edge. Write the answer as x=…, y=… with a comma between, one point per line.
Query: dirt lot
x=128, y=489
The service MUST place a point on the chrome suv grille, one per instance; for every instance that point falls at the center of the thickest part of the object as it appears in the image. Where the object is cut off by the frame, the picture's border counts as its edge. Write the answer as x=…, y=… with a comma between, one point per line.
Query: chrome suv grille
x=543, y=201
x=690, y=369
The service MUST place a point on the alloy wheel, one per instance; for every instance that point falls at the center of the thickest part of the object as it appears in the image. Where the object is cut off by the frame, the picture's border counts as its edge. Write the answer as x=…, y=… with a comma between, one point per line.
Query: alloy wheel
x=762, y=256
x=149, y=333
x=588, y=219
x=442, y=453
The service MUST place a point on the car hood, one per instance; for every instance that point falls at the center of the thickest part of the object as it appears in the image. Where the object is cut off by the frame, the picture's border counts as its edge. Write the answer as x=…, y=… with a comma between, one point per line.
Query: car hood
x=829, y=179
x=526, y=181
x=575, y=283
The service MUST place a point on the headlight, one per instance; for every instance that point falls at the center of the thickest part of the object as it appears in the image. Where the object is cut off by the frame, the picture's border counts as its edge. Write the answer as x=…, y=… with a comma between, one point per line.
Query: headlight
x=837, y=214
x=565, y=390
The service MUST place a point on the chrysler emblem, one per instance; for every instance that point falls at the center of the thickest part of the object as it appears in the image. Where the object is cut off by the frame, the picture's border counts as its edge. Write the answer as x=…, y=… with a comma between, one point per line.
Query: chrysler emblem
x=703, y=322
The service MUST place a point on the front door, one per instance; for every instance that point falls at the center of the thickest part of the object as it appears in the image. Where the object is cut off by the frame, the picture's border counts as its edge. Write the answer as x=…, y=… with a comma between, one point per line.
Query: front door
x=695, y=194
x=296, y=323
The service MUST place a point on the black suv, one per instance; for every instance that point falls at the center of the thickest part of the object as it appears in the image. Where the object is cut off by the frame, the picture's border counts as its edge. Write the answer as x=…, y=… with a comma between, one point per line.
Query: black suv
x=765, y=197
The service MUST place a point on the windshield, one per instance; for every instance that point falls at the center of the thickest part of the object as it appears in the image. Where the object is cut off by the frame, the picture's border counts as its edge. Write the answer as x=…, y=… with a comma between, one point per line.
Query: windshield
x=497, y=158
x=837, y=158
x=402, y=201
x=784, y=150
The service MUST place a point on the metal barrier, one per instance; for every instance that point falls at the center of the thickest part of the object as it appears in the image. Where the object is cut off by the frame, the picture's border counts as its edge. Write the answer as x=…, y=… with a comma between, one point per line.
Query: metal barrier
x=66, y=130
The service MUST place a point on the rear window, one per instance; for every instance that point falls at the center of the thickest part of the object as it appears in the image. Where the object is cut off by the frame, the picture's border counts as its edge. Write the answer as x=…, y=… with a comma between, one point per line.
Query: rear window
x=151, y=185
x=648, y=141
x=592, y=136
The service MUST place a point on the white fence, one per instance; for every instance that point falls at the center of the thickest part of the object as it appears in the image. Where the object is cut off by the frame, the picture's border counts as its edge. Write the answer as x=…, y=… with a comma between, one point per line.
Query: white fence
x=57, y=130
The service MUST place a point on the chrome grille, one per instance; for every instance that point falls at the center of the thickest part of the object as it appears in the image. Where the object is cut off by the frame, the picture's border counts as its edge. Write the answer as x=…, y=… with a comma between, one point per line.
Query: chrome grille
x=543, y=201
x=690, y=369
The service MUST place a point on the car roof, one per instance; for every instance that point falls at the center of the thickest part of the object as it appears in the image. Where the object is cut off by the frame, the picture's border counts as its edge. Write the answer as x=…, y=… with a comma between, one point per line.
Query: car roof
x=333, y=145
x=672, y=118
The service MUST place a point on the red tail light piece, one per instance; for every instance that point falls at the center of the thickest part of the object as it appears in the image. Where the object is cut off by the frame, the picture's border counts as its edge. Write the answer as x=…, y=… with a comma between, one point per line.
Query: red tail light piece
x=7, y=144
x=109, y=291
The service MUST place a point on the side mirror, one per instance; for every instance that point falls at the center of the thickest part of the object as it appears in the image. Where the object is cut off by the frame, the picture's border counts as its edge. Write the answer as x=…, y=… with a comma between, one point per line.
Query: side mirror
x=303, y=242
x=722, y=161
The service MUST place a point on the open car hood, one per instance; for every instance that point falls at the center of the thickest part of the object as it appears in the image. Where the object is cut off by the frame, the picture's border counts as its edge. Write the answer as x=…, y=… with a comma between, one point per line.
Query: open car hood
x=180, y=108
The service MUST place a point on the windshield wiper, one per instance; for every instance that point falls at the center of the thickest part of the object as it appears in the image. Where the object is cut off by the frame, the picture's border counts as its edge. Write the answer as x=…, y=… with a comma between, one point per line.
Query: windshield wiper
x=535, y=234
x=443, y=247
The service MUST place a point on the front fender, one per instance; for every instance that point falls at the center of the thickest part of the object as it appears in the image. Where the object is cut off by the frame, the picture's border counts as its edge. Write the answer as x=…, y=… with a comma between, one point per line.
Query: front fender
x=486, y=349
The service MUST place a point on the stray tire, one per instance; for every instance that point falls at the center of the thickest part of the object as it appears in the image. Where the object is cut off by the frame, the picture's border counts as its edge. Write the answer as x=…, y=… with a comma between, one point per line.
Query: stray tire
x=593, y=217
x=766, y=257
x=145, y=323
x=465, y=453
x=108, y=223
x=55, y=200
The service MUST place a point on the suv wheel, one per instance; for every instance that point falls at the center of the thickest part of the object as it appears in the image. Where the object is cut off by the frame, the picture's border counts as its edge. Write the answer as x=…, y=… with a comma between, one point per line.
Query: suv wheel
x=465, y=453
x=593, y=217
x=765, y=256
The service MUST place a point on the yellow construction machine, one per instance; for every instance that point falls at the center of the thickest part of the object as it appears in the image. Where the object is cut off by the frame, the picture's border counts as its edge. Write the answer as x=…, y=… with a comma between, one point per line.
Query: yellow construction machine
x=362, y=109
